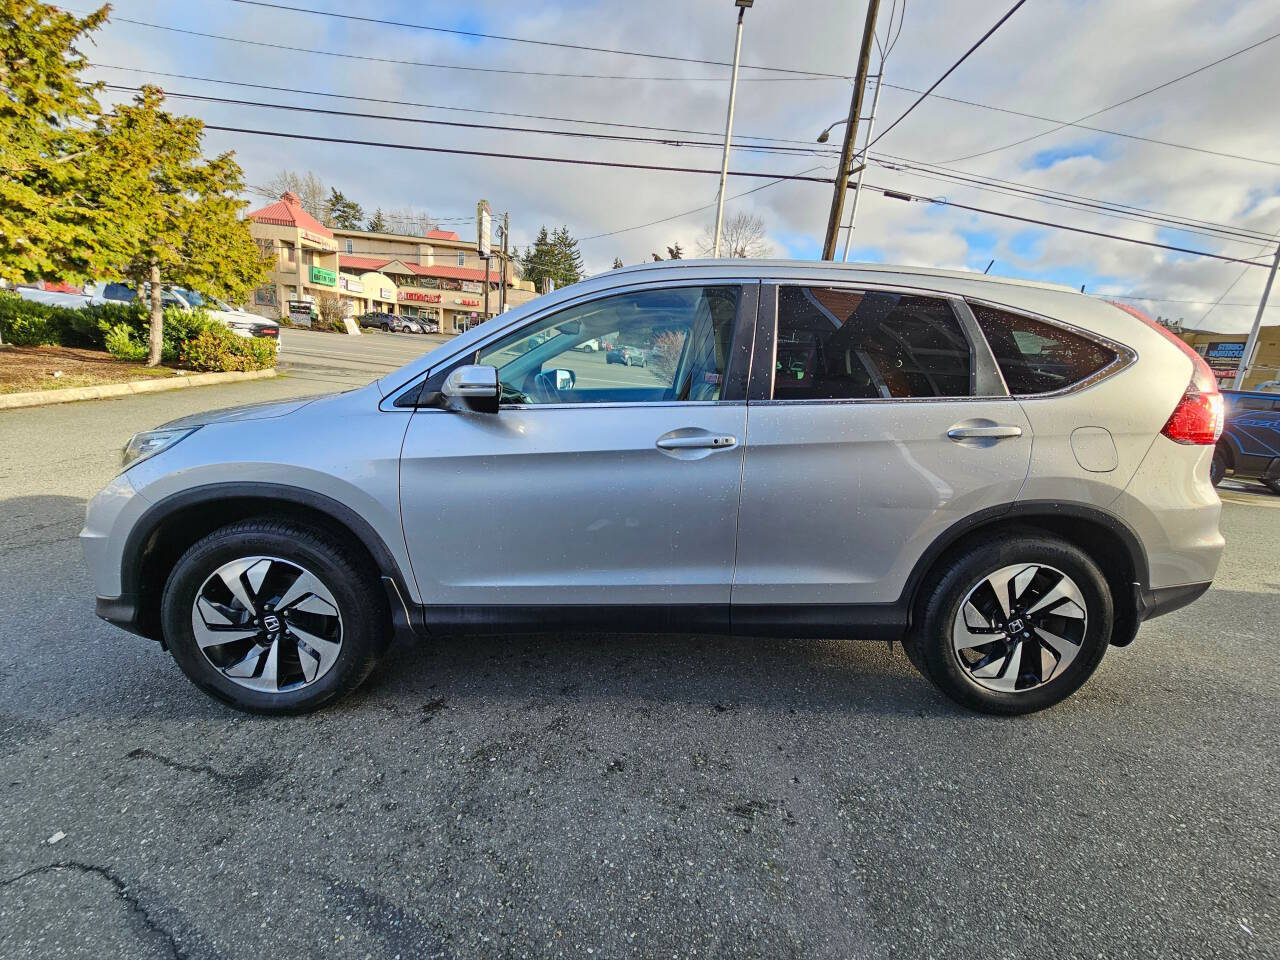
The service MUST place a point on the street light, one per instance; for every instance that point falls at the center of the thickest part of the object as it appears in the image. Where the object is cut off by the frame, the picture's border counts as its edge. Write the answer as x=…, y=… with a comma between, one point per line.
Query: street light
x=825, y=135
x=742, y=6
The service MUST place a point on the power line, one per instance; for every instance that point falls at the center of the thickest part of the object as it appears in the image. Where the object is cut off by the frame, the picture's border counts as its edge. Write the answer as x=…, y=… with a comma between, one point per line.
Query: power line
x=437, y=106
x=806, y=74
x=615, y=164
x=1103, y=208
x=442, y=66
x=293, y=108
x=1120, y=103
x=951, y=69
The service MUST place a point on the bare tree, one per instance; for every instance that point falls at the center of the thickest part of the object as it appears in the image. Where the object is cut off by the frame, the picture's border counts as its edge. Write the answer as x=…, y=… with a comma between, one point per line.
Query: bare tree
x=743, y=235
x=312, y=192
x=332, y=311
x=409, y=221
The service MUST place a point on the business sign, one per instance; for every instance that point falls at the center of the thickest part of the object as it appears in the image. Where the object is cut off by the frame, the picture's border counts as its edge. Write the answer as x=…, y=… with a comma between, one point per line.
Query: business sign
x=418, y=296
x=300, y=313
x=432, y=282
x=326, y=242
x=450, y=285
x=467, y=301
x=323, y=277
x=265, y=296
x=472, y=286
x=385, y=293
x=1225, y=353
x=484, y=227
x=351, y=284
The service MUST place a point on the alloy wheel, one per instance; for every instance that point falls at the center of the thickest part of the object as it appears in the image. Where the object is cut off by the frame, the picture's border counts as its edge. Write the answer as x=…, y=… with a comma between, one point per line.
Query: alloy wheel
x=267, y=624
x=1019, y=628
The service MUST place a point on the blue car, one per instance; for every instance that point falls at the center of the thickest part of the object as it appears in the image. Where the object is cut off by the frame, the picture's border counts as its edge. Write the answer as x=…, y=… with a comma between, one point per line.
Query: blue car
x=1250, y=444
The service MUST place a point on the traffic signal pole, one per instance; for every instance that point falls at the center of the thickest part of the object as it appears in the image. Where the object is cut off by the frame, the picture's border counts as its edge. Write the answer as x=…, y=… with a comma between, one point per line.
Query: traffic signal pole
x=1252, y=343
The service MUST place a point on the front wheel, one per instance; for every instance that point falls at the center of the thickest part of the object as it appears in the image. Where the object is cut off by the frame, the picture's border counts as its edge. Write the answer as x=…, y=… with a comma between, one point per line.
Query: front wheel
x=273, y=617
x=1013, y=625
x=1217, y=468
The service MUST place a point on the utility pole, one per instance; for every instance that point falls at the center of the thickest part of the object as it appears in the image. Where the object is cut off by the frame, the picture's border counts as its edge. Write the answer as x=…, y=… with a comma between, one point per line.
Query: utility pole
x=850, y=134
x=1252, y=343
x=862, y=160
x=728, y=125
x=502, y=283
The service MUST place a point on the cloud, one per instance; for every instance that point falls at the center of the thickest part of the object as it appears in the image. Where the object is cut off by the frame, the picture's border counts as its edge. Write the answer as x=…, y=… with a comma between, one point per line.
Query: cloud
x=1056, y=59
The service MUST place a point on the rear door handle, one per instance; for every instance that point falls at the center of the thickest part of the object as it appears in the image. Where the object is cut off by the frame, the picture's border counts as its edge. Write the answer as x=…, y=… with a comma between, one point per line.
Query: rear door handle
x=997, y=432
x=699, y=442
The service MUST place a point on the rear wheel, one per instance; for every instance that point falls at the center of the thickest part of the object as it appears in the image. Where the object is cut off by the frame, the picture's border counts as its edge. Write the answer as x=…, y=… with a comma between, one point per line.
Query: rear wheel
x=273, y=617
x=1217, y=468
x=1013, y=625
x=1273, y=486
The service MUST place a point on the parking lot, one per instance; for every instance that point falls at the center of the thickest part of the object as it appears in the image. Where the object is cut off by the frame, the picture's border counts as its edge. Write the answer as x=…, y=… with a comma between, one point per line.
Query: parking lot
x=592, y=796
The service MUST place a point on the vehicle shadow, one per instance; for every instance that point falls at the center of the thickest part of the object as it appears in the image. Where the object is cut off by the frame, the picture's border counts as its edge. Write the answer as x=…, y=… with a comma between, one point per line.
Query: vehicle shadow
x=719, y=673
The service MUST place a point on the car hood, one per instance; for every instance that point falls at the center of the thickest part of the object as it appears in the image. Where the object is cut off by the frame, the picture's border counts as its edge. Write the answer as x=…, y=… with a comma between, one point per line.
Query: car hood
x=250, y=411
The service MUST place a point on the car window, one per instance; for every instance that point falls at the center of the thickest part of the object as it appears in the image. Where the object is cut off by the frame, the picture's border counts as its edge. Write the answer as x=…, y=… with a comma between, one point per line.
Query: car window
x=1038, y=357
x=1256, y=403
x=840, y=344
x=646, y=346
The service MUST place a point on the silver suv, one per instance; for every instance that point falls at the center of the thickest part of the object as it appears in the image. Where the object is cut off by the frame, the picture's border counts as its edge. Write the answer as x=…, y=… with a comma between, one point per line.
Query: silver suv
x=1008, y=477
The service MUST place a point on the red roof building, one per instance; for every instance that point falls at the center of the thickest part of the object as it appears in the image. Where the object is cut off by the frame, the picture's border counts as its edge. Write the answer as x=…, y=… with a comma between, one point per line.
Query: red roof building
x=288, y=212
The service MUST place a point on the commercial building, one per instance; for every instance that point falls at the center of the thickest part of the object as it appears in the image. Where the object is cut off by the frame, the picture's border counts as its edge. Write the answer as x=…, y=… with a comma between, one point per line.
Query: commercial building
x=437, y=277
x=1224, y=350
x=302, y=252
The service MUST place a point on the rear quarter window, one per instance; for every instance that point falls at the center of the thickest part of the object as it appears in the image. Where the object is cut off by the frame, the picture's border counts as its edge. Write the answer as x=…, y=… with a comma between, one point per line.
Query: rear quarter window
x=1038, y=357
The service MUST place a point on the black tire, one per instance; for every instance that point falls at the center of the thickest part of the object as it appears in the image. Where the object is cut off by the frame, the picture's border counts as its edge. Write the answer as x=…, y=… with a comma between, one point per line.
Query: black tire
x=929, y=645
x=1217, y=468
x=365, y=629
x=1273, y=486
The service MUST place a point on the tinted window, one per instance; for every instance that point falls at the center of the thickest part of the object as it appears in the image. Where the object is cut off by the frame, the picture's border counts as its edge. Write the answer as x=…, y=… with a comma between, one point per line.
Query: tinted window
x=647, y=346
x=849, y=344
x=1256, y=403
x=1038, y=357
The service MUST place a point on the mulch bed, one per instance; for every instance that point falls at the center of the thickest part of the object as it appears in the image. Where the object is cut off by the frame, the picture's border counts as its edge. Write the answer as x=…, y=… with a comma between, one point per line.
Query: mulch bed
x=50, y=368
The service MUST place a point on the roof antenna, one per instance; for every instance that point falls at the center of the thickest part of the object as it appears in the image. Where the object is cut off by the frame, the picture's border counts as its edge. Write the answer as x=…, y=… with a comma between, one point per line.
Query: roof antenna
x=988, y=270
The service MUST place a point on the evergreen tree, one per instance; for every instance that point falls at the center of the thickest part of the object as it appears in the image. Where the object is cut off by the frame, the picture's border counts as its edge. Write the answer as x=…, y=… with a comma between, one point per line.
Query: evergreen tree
x=341, y=212
x=568, y=258
x=553, y=256
x=185, y=207
x=48, y=226
x=376, y=223
x=675, y=252
x=617, y=263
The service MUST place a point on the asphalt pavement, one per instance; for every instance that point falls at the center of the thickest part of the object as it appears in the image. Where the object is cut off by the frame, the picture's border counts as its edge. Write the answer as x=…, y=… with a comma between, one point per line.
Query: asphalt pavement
x=615, y=796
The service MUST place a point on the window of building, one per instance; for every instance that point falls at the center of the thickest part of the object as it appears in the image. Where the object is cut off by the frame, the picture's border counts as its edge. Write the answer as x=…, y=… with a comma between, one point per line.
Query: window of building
x=647, y=346
x=349, y=250
x=1038, y=357
x=839, y=344
x=462, y=259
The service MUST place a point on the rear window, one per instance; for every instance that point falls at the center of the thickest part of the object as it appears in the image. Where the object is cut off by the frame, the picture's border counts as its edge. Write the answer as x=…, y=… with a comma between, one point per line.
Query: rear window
x=1037, y=357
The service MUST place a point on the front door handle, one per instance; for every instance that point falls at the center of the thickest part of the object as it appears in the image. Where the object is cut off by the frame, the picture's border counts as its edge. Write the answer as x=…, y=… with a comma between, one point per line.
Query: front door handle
x=995, y=432
x=698, y=442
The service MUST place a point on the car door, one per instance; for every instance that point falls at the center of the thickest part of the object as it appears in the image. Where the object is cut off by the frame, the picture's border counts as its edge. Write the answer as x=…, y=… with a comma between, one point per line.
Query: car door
x=877, y=419
x=596, y=484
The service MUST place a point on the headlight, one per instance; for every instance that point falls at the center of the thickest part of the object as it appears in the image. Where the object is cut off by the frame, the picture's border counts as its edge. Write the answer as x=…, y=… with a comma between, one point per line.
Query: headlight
x=150, y=442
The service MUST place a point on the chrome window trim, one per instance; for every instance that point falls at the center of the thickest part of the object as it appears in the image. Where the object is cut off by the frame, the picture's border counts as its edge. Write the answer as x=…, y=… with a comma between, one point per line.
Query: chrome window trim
x=1125, y=356
x=388, y=401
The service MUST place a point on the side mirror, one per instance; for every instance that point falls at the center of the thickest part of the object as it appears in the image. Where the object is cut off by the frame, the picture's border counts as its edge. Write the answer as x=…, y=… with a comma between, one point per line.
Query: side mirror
x=475, y=387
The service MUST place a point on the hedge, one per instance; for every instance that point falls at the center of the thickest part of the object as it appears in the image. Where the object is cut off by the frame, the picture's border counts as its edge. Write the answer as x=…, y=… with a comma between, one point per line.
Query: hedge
x=123, y=330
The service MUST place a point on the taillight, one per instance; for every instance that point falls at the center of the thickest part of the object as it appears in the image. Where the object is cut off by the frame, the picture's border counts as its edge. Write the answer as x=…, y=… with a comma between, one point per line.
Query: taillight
x=270, y=331
x=1198, y=417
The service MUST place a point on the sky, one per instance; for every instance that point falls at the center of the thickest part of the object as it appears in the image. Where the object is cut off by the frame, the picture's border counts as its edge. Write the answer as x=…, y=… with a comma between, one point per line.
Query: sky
x=1058, y=59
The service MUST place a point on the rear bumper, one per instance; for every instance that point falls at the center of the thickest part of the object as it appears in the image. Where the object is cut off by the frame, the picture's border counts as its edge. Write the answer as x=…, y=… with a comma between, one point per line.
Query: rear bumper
x=1161, y=600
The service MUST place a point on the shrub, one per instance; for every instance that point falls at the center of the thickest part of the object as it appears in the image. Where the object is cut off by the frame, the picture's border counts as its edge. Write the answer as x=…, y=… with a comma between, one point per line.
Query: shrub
x=123, y=345
x=217, y=349
x=25, y=328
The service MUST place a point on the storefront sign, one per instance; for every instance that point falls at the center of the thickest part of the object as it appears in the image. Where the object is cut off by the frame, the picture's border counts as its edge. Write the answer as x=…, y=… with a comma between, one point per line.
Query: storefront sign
x=322, y=241
x=300, y=313
x=385, y=293
x=467, y=301
x=432, y=283
x=352, y=285
x=418, y=296
x=265, y=296
x=450, y=285
x=323, y=277
x=472, y=286
x=1225, y=353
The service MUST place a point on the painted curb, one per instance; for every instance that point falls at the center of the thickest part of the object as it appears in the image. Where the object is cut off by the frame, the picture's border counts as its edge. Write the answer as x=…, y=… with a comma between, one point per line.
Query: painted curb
x=40, y=398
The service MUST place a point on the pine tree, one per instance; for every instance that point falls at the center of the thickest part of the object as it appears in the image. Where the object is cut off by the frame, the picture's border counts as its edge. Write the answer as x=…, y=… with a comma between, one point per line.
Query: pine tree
x=48, y=226
x=568, y=257
x=186, y=208
x=376, y=223
x=675, y=252
x=341, y=212
x=617, y=263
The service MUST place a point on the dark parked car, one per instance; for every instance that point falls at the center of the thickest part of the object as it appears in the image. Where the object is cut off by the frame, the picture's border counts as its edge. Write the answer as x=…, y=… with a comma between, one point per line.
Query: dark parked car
x=390, y=323
x=631, y=356
x=1250, y=444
